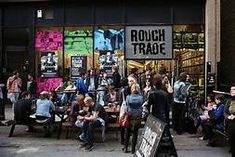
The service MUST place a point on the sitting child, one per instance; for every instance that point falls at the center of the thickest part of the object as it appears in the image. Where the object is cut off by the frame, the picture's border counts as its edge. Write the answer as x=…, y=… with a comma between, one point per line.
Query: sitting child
x=205, y=117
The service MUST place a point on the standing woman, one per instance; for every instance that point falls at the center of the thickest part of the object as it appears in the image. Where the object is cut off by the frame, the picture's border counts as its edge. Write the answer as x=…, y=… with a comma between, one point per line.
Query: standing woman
x=229, y=113
x=134, y=104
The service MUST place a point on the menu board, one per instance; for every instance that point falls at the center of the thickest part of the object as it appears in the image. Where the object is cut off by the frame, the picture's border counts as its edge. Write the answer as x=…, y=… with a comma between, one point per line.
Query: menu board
x=156, y=140
x=78, y=63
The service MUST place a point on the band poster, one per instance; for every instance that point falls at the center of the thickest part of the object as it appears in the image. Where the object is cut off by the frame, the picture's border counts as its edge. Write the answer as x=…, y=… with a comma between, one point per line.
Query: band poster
x=78, y=63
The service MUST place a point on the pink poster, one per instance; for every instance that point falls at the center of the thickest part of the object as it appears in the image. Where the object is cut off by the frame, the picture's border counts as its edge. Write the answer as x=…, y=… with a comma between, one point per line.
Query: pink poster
x=49, y=41
x=47, y=84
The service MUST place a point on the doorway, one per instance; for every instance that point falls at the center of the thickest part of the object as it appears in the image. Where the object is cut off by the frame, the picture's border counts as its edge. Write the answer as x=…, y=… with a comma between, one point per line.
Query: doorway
x=16, y=51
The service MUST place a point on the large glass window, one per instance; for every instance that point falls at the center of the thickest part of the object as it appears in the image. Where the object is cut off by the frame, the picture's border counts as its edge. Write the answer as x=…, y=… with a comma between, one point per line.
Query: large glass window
x=78, y=50
x=188, y=43
x=109, y=48
x=49, y=51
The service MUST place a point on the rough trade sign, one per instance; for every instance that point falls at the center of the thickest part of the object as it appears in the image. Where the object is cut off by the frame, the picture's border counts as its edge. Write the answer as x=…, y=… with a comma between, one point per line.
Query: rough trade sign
x=148, y=42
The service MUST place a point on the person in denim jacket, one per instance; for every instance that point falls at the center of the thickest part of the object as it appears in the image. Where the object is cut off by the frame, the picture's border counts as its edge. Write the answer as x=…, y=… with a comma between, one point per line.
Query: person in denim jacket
x=134, y=102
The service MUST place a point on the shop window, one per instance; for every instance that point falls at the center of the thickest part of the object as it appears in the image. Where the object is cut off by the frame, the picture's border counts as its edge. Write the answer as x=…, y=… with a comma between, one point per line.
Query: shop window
x=188, y=43
x=49, y=51
x=109, y=49
x=78, y=49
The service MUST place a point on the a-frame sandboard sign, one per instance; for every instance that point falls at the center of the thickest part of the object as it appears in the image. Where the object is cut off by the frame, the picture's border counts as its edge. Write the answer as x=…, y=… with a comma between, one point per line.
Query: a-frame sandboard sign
x=155, y=140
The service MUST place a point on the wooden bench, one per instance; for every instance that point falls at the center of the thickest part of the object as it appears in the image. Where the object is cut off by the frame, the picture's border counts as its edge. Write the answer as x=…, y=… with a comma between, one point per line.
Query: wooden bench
x=14, y=123
x=69, y=126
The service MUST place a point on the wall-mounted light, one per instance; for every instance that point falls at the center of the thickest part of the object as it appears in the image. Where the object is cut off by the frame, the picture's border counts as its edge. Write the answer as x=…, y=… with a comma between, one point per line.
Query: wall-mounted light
x=39, y=13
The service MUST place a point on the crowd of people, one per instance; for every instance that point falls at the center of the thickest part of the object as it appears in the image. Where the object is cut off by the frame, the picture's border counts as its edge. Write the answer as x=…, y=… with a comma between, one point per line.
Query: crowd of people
x=148, y=93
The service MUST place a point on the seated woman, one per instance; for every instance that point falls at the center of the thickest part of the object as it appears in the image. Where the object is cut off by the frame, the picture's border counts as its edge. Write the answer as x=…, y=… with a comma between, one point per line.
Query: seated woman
x=43, y=108
x=216, y=120
x=111, y=98
x=69, y=93
x=205, y=117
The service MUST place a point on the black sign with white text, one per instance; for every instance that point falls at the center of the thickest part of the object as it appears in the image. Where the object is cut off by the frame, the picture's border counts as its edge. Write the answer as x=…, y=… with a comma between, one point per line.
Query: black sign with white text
x=156, y=140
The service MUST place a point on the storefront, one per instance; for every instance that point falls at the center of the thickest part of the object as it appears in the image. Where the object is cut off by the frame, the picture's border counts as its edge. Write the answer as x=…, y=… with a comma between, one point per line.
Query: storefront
x=65, y=37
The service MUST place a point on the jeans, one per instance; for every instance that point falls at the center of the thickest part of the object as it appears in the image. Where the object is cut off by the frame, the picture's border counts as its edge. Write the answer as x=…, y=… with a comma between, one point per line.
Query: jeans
x=88, y=129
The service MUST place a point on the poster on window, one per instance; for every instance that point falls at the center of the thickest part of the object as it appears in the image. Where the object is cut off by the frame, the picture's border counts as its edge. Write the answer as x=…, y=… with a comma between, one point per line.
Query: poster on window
x=148, y=42
x=49, y=41
x=107, y=60
x=49, y=64
x=109, y=39
x=78, y=63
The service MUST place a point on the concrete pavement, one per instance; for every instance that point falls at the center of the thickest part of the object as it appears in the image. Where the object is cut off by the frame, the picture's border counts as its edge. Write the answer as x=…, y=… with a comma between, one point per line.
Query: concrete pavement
x=33, y=144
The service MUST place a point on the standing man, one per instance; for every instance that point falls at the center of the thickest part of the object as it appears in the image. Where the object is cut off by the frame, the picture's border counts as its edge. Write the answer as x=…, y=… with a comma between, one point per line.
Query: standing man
x=14, y=85
x=116, y=77
x=178, y=110
x=158, y=99
x=31, y=85
x=80, y=84
x=92, y=82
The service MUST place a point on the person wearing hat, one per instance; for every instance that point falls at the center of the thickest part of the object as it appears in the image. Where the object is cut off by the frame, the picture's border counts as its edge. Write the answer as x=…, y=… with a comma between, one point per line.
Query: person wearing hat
x=43, y=107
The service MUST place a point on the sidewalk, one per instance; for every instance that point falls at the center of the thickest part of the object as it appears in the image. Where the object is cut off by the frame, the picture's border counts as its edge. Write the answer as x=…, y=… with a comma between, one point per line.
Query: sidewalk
x=33, y=144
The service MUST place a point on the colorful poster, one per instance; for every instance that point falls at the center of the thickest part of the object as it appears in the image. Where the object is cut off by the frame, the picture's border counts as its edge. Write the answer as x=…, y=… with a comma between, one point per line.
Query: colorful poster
x=110, y=39
x=49, y=64
x=78, y=63
x=107, y=60
x=49, y=41
x=78, y=42
x=47, y=84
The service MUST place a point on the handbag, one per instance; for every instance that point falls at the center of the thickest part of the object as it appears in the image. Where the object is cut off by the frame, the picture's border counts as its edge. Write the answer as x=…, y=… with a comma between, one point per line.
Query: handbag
x=123, y=115
x=124, y=120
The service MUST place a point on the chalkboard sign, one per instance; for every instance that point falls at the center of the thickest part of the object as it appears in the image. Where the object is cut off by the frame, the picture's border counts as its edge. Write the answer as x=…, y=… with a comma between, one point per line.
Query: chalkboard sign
x=156, y=140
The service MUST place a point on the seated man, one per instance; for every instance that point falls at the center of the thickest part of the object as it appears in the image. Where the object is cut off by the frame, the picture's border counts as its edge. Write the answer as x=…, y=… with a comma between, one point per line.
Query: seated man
x=43, y=108
x=98, y=119
x=23, y=110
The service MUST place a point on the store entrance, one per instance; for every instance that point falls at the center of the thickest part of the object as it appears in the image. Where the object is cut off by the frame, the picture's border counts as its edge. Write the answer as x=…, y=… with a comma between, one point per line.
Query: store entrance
x=158, y=66
x=16, y=51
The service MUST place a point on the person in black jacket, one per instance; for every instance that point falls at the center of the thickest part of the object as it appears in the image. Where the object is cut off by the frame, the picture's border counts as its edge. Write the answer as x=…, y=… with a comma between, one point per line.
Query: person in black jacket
x=92, y=82
x=116, y=77
x=23, y=109
x=158, y=99
x=31, y=85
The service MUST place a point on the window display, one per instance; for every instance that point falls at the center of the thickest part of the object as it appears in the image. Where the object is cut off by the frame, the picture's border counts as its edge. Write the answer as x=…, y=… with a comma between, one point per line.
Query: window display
x=49, y=46
x=78, y=41
x=109, y=49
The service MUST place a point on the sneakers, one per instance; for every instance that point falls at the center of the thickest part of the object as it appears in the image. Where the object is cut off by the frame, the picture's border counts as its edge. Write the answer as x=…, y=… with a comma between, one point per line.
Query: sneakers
x=81, y=137
x=83, y=145
x=89, y=147
x=203, y=138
